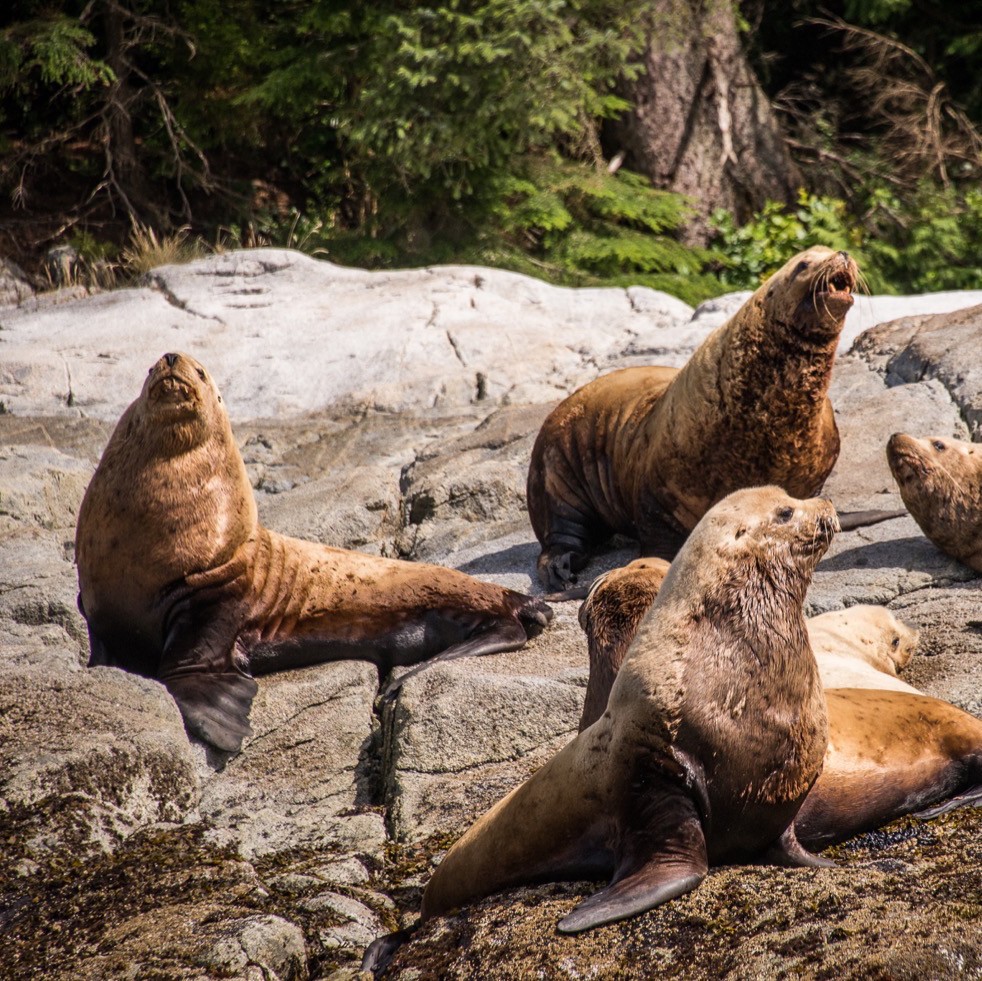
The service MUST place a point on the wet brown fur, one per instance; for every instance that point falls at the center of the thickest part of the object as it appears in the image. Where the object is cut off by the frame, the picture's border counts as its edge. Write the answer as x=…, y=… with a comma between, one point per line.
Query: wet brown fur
x=178, y=580
x=940, y=481
x=714, y=732
x=647, y=451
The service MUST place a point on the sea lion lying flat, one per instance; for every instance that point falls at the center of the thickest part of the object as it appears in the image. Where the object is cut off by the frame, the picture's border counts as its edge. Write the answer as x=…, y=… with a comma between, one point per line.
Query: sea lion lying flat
x=647, y=451
x=940, y=480
x=892, y=750
x=179, y=581
x=864, y=646
x=714, y=733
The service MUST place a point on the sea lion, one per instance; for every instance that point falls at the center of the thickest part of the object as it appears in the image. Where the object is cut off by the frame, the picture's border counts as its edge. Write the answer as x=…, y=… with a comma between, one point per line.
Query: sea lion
x=892, y=750
x=610, y=614
x=179, y=581
x=714, y=732
x=940, y=481
x=647, y=451
x=863, y=646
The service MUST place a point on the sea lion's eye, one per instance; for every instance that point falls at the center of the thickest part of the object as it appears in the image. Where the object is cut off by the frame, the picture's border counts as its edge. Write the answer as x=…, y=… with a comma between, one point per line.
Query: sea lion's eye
x=938, y=445
x=201, y=374
x=896, y=642
x=800, y=268
x=784, y=515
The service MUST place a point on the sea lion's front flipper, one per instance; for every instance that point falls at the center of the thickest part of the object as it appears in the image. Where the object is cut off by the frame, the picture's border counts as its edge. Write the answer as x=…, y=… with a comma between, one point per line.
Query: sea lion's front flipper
x=202, y=669
x=502, y=636
x=660, y=859
x=972, y=797
x=787, y=850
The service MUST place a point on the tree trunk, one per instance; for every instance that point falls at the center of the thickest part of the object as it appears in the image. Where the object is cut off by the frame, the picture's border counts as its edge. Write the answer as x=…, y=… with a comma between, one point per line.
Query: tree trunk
x=700, y=123
x=123, y=165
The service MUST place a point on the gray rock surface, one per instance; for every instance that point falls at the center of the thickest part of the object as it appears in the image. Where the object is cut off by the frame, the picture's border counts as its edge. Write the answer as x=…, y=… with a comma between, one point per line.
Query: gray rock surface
x=132, y=852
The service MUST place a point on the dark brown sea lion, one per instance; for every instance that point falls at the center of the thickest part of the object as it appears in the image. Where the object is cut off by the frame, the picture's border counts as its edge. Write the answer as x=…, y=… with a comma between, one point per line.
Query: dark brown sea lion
x=179, y=581
x=714, y=733
x=892, y=750
x=647, y=451
x=610, y=614
x=940, y=480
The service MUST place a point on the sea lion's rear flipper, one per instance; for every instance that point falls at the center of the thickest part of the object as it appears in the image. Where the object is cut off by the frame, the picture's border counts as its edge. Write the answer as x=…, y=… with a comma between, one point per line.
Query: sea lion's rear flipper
x=787, y=850
x=501, y=636
x=379, y=953
x=663, y=855
x=201, y=666
x=851, y=520
x=972, y=797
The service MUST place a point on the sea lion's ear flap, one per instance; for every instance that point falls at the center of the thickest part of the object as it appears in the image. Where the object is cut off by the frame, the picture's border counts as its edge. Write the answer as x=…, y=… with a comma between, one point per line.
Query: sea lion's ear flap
x=657, y=863
x=215, y=707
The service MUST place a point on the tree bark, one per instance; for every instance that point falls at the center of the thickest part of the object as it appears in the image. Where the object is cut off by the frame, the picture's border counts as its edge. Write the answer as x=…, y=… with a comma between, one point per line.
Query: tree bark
x=700, y=123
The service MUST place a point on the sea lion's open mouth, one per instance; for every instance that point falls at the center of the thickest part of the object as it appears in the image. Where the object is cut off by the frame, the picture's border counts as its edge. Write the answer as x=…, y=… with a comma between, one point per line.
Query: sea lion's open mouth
x=837, y=287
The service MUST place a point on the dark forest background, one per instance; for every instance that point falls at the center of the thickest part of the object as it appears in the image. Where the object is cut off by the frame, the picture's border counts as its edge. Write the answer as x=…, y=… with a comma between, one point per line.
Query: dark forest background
x=690, y=146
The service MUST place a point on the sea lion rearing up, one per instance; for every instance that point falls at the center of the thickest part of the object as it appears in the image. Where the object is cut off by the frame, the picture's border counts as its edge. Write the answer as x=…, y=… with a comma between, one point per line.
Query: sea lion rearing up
x=179, y=581
x=647, y=451
x=940, y=481
x=714, y=733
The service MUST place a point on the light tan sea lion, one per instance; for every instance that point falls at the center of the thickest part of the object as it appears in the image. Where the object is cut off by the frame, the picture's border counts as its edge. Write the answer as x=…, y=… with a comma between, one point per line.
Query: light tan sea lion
x=864, y=646
x=179, y=581
x=647, y=451
x=714, y=732
x=940, y=480
x=892, y=750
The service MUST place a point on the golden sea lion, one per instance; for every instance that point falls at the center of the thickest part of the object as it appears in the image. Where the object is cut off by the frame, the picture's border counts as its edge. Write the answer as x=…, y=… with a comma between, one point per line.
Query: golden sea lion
x=714, y=732
x=179, y=581
x=940, y=480
x=647, y=451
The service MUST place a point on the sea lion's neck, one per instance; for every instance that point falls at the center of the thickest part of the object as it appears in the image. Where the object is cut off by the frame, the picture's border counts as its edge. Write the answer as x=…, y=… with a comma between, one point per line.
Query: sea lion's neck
x=769, y=357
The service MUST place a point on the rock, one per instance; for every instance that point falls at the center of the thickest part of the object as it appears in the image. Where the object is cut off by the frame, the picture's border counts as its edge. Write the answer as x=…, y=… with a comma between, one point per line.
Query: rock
x=920, y=348
x=15, y=287
x=266, y=948
x=303, y=780
x=885, y=911
x=447, y=336
x=88, y=757
x=130, y=852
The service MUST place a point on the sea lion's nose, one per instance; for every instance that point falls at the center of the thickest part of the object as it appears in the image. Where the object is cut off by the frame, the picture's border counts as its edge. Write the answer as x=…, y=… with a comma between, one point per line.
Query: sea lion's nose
x=170, y=359
x=844, y=254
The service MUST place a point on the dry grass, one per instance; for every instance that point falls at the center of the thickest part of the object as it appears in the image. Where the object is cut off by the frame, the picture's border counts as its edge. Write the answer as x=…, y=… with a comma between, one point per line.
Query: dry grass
x=146, y=250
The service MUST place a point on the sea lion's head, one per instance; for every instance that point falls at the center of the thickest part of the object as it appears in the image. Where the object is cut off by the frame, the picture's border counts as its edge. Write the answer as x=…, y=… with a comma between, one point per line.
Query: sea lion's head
x=873, y=632
x=940, y=481
x=180, y=403
x=888, y=644
x=755, y=549
x=812, y=292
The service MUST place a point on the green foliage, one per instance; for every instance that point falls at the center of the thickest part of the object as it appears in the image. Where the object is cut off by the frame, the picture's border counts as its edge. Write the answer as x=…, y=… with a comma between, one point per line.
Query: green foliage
x=933, y=242
x=930, y=243
x=751, y=252
x=55, y=50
